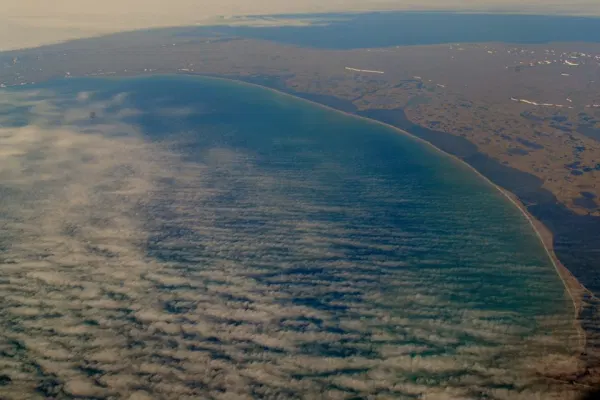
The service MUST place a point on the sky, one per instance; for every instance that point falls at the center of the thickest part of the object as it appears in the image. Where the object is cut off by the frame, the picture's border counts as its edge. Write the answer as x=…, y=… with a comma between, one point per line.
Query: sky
x=31, y=23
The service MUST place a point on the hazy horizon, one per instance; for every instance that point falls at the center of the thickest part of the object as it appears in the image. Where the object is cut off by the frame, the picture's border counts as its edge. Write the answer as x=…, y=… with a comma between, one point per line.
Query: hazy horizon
x=34, y=23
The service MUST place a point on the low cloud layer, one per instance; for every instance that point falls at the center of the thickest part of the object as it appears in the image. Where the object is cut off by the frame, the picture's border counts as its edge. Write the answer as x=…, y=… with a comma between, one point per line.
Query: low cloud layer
x=127, y=271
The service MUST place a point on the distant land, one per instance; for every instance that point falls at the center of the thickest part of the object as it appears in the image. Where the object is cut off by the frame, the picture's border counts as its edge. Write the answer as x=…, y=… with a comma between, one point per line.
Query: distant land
x=34, y=22
x=521, y=106
x=384, y=29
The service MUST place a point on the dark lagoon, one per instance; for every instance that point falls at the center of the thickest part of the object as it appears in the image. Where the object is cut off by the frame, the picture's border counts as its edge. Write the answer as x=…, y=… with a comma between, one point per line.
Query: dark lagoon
x=187, y=237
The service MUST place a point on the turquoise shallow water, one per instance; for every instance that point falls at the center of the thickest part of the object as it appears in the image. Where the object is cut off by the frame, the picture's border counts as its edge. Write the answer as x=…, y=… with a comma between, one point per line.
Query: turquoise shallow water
x=176, y=236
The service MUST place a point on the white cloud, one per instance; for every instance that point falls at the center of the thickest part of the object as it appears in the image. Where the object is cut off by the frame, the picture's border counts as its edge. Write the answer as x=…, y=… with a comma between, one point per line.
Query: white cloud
x=224, y=310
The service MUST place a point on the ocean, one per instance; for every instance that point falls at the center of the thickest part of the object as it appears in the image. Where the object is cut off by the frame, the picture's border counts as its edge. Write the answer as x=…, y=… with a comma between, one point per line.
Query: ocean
x=401, y=28
x=192, y=237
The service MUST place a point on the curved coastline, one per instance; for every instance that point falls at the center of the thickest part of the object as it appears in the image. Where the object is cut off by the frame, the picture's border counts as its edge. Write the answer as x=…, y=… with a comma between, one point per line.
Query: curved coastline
x=574, y=288
x=565, y=377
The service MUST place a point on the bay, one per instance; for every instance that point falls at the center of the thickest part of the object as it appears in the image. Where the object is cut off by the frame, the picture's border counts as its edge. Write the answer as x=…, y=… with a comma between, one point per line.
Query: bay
x=184, y=236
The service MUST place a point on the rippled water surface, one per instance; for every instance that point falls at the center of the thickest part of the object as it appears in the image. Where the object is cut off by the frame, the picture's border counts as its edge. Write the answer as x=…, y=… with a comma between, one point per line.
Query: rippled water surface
x=173, y=238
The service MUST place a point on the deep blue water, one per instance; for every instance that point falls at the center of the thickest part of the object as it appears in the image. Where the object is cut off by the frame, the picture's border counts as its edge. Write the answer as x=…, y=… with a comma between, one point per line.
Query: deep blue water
x=383, y=29
x=200, y=237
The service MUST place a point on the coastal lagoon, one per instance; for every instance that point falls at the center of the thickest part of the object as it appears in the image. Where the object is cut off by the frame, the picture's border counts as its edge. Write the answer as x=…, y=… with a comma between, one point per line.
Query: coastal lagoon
x=185, y=237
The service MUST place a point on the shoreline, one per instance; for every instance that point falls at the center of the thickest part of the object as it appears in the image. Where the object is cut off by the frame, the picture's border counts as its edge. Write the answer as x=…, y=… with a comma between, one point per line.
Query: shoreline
x=573, y=287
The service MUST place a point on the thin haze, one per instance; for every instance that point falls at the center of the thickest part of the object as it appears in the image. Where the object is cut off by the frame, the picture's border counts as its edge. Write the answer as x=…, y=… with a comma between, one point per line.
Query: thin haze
x=32, y=23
